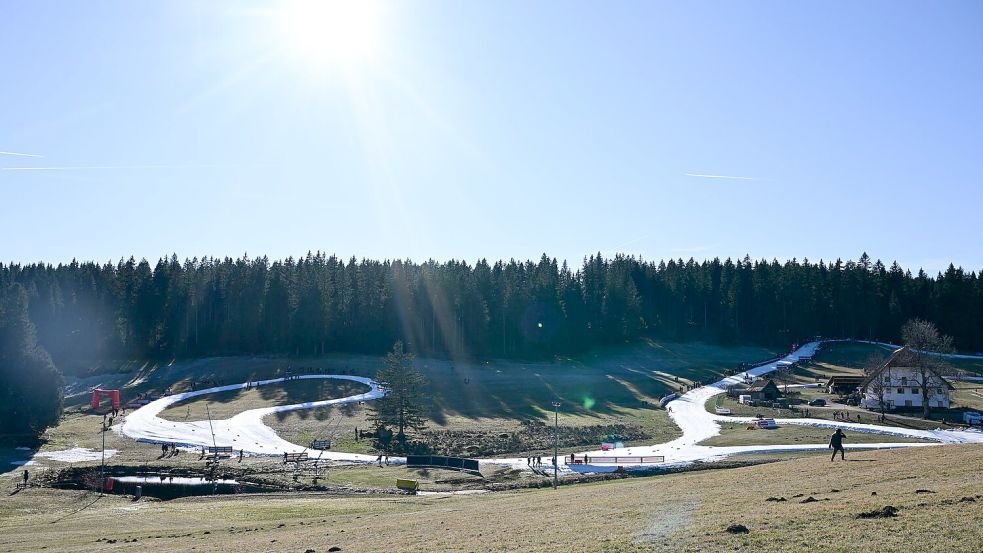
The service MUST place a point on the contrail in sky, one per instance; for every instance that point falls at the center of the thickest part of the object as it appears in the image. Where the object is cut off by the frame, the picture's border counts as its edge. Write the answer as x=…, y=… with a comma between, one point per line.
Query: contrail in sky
x=18, y=154
x=719, y=176
x=78, y=167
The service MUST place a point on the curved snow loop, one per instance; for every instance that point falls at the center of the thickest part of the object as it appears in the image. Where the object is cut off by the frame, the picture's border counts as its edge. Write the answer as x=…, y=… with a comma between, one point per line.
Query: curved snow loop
x=244, y=431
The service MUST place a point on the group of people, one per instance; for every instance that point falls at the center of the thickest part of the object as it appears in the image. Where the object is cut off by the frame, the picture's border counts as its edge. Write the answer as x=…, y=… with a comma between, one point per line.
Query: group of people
x=844, y=416
x=168, y=450
x=536, y=461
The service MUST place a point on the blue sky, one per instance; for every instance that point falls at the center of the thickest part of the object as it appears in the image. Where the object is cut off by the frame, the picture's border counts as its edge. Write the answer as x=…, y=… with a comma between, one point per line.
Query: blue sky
x=493, y=129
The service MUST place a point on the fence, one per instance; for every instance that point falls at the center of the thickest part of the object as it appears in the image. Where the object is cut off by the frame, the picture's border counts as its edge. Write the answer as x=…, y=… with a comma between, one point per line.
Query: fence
x=650, y=460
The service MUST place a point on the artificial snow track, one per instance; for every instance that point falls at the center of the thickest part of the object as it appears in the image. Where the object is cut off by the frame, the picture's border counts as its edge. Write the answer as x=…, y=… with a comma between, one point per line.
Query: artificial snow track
x=244, y=431
x=247, y=432
x=697, y=424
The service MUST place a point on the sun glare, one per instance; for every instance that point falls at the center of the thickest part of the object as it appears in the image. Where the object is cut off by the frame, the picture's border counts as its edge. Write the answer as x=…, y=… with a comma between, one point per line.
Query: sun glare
x=330, y=33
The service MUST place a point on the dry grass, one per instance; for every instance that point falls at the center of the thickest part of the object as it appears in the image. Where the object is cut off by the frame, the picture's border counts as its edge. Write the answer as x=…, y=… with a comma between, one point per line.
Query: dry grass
x=738, y=434
x=968, y=395
x=682, y=512
x=224, y=405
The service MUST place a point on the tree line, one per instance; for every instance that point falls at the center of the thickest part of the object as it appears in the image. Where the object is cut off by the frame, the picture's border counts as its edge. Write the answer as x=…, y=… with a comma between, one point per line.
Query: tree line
x=30, y=385
x=85, y=312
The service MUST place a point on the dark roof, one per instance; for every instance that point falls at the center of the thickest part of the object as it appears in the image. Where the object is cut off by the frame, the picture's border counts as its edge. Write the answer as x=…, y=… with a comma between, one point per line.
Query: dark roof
x=840, y=379
x=760, y=384
x=899, y=358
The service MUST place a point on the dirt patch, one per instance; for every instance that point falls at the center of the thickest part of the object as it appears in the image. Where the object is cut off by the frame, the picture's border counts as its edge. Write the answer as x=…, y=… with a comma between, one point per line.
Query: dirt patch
x=663, y=523
x=532, y=435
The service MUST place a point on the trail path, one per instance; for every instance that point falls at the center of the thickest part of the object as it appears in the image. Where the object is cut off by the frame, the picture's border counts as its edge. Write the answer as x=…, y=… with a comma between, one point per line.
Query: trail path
x=698, y=424
x=246, y=430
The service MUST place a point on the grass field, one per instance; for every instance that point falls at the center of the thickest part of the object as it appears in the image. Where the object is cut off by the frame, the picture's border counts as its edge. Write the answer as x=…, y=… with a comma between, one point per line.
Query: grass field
x=938, y=499
x=852, y=354
x=224, y=405
x=856, y=354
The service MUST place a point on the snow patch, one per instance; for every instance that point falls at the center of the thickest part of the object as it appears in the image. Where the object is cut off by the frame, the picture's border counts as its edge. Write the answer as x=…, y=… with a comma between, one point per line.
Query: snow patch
x=76, y=454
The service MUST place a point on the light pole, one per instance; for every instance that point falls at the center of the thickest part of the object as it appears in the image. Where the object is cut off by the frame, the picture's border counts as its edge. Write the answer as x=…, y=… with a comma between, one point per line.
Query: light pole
x=556, y=441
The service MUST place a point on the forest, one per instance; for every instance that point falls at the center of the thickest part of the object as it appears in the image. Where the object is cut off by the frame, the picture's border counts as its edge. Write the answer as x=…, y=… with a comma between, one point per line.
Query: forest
x=86, y=313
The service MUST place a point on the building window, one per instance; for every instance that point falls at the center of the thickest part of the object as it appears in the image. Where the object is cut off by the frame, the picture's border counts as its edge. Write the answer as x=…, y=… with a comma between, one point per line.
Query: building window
x=887, y=380
x=890, y=403
x=940, y=392
x=900, y=390
x=904, y=380
x=914, y=390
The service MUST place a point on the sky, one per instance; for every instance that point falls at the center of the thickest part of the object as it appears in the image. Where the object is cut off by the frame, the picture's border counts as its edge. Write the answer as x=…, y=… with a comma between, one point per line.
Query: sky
x=508, y=129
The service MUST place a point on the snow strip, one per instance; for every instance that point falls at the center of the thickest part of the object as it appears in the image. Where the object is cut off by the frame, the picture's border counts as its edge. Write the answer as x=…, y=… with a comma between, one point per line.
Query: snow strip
x=244, y=431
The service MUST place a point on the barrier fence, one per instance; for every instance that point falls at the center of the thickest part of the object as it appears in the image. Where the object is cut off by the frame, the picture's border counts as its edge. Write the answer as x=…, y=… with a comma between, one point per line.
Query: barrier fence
x=652, y=459
x=440, y=461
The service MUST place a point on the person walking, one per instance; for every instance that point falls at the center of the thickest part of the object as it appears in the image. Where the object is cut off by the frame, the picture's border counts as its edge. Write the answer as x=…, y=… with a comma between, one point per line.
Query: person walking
x=836, y=443
x=26, y=476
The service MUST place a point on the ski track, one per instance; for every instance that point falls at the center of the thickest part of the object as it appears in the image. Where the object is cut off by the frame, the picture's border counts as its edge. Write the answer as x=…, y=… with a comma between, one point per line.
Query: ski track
x=698, y=424
x=247, y=432
x=244, y=431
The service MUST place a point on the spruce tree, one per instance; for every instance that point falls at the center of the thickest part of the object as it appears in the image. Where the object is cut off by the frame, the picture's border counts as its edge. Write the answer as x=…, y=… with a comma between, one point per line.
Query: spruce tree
x=404, y=405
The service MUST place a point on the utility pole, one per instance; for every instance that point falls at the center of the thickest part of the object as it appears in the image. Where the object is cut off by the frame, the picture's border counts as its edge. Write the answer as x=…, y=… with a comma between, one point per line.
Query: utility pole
x=556, y=442
x=102, y=471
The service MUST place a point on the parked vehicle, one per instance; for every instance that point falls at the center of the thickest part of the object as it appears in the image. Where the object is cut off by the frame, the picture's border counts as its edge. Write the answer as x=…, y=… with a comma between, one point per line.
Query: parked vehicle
x=818, y=402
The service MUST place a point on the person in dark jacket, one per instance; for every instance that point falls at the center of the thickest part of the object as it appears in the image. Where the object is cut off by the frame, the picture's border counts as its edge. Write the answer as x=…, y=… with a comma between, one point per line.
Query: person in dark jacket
x=836, y=442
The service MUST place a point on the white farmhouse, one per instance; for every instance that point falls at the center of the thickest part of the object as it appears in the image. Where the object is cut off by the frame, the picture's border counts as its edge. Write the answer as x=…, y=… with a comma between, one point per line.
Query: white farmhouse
x=899, y=384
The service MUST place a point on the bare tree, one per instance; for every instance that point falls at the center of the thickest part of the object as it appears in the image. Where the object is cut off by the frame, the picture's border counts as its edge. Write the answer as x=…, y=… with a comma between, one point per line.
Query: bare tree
x=784, y=374
x=926, y=350
x=875, y=384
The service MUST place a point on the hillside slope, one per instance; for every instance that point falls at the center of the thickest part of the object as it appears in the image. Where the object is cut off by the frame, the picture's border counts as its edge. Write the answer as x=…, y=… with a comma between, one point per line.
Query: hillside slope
x=681, y=512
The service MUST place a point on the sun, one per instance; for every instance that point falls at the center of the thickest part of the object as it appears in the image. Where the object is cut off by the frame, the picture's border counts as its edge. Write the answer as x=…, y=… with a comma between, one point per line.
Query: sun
x=330, y=33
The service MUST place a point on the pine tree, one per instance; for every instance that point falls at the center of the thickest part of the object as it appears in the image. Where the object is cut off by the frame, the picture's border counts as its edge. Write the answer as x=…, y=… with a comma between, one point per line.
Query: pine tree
x=404, y=405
